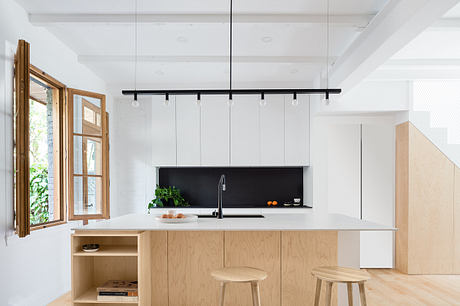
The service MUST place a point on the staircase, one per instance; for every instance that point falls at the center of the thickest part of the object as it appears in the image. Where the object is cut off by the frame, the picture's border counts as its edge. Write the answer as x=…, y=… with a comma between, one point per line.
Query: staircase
x=437, y=135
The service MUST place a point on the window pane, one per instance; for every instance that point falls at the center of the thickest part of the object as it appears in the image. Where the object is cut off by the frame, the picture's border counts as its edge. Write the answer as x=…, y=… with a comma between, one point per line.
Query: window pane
x=87, y=155
x=43, y=183
x=87, y=195
x=85, y=111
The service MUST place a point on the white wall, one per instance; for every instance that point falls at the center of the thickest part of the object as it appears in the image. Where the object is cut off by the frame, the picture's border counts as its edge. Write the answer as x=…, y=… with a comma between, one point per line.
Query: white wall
x=36, y=269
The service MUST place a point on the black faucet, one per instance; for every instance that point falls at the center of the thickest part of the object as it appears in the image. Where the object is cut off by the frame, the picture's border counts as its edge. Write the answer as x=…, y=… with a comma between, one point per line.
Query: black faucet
x=220, y=188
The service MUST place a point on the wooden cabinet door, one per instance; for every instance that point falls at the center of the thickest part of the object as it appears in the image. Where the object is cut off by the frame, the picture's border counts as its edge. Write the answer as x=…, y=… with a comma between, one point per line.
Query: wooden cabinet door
x=272, y=131
x=258, y=250
x=245, y=143
x=192, y=256
x=188, y=121
x=163, y=131
x=297, y=131
x=300, y=253
x=215, y=146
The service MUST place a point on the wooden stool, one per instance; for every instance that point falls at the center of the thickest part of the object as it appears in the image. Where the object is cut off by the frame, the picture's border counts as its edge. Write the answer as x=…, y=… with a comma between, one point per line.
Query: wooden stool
x=340, y=275
x=240, y=275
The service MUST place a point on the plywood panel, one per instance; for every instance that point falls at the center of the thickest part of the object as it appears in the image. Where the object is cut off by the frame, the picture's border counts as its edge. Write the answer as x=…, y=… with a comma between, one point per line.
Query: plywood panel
x=300, y=253
x=114, y=268
x=144, y=268
x=402, y=196
x=259, y=250
x=457, y=222
x=431, y=189
x=191, y=258
x=159, y=267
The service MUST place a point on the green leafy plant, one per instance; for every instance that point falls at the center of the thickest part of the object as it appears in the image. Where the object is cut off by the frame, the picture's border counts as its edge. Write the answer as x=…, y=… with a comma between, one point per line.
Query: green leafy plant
x=164, y=194
x=39, y=210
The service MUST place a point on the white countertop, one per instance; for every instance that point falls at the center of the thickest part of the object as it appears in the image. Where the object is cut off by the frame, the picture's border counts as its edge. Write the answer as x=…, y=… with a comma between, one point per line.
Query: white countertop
x=271, y=222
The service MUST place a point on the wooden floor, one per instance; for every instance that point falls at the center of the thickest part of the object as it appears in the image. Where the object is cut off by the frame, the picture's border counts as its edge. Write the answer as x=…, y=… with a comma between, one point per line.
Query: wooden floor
x=389, y=287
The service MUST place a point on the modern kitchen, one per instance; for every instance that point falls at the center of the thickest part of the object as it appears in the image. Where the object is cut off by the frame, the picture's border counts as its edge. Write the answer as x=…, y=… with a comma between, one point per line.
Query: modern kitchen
x=229, y=153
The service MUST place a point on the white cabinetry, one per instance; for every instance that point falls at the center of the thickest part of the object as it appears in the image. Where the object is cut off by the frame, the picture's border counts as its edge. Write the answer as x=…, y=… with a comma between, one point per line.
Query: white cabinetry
x=246, y=133
x=360, y=163
x=245, y=138
x=163, y=131
x=272, y=131
x=188, y=121
x=297, y=131
x=215, y=144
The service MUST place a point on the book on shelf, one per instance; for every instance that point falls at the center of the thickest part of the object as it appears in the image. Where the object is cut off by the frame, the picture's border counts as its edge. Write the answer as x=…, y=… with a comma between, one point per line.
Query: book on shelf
x=118, y=291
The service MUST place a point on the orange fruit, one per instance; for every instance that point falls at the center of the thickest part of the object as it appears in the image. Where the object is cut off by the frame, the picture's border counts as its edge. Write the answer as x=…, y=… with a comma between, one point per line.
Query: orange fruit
x=275, y=203
x=269, y=203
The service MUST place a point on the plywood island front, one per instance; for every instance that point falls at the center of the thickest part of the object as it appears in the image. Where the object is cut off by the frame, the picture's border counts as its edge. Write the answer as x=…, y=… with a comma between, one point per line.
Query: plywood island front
x=172, y=262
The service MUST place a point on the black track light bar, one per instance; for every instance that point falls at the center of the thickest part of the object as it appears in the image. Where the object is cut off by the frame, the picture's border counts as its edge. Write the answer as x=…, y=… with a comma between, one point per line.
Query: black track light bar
x=281, y=91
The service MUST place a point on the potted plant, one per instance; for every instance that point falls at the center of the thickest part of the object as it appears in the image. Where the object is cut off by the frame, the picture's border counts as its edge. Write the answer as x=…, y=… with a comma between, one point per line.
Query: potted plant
x=168, y=196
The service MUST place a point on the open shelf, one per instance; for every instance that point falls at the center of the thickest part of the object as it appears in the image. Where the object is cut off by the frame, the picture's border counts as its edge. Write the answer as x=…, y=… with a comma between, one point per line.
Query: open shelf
x=90, y=296
x=111, y=250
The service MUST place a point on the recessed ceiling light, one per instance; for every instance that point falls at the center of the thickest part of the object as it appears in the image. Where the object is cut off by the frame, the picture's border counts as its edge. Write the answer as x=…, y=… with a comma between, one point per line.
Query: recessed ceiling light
x=182, y=39
x=293, y=71
x=266, y=39
x=159, y=72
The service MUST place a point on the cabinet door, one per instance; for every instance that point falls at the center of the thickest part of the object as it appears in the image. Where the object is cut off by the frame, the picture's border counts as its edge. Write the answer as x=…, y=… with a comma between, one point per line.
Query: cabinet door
x=215, y=147
x=378, y=174
x=343, y=169
x=188, y=114
x=163, y=131
x=192, y=256
x=272, y=131
x=297, y=126
x=244, y=126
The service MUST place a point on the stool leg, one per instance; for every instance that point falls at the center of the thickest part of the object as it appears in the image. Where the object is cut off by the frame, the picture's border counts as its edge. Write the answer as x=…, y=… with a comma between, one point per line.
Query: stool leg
x=222, y=294
x=328, y=293
x=350, y=294
x=318, y=291
x=362, y=294
x=255, y=293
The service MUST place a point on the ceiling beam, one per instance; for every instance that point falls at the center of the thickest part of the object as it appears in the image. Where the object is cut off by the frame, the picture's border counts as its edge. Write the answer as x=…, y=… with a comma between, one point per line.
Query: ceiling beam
x=446, y=24
x=358, y=21
x=86, y=59
x=397, y=24
x=414, y=63
x=415, y=74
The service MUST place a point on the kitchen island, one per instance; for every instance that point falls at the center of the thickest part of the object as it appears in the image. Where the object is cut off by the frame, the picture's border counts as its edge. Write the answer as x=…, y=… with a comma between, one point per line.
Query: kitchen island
x=172, y=262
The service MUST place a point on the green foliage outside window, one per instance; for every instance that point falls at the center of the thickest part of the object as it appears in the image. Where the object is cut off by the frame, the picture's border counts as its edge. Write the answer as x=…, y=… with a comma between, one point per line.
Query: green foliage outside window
x=39, y=212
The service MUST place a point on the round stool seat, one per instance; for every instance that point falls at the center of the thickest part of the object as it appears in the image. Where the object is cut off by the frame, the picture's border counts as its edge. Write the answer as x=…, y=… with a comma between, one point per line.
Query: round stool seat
x=340, y=274
x=239, y=274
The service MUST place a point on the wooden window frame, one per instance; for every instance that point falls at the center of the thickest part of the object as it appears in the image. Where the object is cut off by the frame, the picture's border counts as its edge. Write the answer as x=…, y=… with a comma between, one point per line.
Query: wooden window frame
x=23, y=71
x=59, y=124
x=105, y=214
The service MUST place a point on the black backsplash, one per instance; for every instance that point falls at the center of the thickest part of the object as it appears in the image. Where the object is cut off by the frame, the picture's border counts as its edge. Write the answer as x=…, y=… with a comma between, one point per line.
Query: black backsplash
x=246, y=187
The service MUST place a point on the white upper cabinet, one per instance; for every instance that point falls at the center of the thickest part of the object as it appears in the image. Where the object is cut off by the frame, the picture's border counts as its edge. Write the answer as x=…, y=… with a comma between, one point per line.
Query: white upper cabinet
x=297, y=131
x=249, y=132
x=272, y=131
x=245, y=149
x=163, y=131
x=215, y=144
x=188, y=113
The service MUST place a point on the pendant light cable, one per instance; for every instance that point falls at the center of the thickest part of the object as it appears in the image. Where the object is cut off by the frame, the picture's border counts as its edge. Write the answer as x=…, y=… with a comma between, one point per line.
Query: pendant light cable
x=135, y=48
x=231, y=46
x=327, y=49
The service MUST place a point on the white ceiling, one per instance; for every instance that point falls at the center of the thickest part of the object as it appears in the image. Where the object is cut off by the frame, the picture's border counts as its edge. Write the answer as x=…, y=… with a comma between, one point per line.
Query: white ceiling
x=433, y=54
x=173, y=54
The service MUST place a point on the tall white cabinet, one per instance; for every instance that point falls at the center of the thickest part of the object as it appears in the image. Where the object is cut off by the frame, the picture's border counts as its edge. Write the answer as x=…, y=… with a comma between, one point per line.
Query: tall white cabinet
x=245, y=132
x=360, y=168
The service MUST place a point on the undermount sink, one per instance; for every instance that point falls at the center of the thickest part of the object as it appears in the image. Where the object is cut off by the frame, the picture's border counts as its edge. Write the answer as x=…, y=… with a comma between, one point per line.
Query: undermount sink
x=233, y=216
